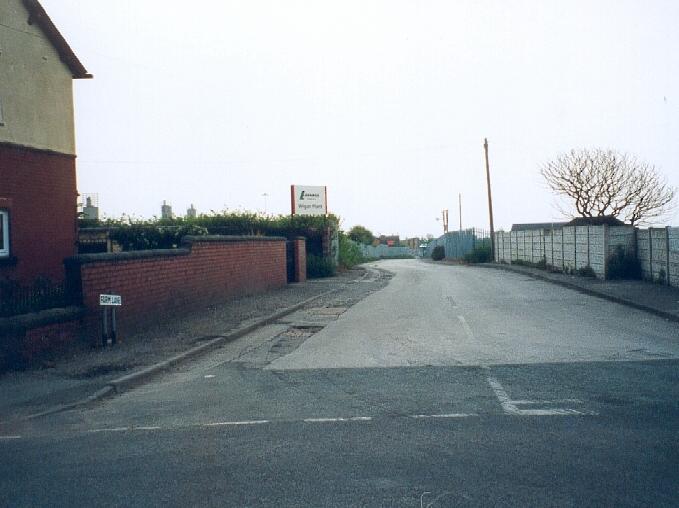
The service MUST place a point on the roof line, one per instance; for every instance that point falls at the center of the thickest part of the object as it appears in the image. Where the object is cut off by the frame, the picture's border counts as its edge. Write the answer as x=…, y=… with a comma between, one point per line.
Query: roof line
x=38, y=15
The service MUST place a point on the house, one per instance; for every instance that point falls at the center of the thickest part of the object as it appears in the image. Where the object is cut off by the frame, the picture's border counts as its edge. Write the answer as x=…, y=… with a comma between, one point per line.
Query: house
x=37, y=144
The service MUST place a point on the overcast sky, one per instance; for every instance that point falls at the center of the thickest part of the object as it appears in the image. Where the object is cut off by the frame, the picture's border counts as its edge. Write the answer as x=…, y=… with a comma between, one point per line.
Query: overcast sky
x=387, y=103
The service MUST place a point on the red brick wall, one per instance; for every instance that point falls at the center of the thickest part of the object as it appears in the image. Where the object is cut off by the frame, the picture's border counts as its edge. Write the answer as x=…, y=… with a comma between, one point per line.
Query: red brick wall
x=39, y=190
x=211, y=269
x=300, y=260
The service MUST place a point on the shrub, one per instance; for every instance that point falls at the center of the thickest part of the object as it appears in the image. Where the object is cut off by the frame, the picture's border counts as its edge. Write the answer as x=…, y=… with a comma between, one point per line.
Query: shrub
x=622, y=265
x=481, y=254
x=318, y=266
x=587, y=271
x=438, y=253
x=349, y=252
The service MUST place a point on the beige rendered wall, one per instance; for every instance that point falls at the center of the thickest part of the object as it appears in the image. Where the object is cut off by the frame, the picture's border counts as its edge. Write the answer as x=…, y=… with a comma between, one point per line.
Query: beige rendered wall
x=36, y=88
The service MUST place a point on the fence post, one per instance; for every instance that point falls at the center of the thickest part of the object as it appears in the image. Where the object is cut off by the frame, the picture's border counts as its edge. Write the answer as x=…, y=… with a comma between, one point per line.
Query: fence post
x=563, y=261
x=532, y=242
x=589, y=259
x=552, y=262
x=667, y=254
x=511, y=254
x=606, y=241
x=575, y=247
x=650, y=251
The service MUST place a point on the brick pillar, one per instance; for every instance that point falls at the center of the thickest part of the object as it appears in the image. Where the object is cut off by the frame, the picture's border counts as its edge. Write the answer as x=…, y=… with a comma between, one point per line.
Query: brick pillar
x=300, y=259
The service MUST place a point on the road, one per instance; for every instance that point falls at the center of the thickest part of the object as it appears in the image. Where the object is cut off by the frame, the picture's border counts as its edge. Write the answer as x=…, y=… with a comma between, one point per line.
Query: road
x=452, y=386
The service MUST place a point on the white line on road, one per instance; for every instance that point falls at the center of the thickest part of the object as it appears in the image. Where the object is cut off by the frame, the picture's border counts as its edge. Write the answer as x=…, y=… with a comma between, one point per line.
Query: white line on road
x=451, y=415
x=114, y=429
x=147, y=428
x=467, y=329
x=10, y=437
x=351, y=419
x=245, y=422
x=510, y=406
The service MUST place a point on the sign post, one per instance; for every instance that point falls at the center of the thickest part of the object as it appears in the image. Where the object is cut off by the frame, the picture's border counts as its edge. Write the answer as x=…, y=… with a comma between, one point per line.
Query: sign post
x=106, y=302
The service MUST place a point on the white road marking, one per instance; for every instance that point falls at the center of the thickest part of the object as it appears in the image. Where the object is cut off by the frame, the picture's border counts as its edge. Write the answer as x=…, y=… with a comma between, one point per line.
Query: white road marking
x=467, y=329
x=146, y=428
x=245, y=422
x=451, y=415
x=209, y=376
x=555, y=401
x=10, y=437
x=351, y=419
x=510, y=406
x=114, y=429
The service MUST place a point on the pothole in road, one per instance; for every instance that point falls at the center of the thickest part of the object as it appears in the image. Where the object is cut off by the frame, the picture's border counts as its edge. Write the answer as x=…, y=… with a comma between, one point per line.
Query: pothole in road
x=291, y=339
x=301, y=331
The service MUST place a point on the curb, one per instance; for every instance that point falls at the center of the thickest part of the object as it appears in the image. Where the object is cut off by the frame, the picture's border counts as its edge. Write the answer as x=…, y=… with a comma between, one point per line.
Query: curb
x=136, y=378
x=591, y=292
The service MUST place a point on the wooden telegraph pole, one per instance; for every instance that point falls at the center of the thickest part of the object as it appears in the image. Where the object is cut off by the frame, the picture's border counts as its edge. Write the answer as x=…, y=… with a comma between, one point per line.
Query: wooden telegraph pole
x=490, y=202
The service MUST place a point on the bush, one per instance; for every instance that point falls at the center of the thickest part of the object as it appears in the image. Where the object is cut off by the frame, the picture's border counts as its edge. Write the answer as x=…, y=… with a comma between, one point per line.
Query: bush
x=481, y=254
x=587, y=271
x=349, y=252
x=622, y=265
x=438, y=253
x=318, y=266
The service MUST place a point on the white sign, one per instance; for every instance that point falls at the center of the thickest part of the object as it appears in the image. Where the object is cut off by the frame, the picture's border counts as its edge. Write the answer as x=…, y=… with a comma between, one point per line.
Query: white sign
x=110, y=300
x=307, y=200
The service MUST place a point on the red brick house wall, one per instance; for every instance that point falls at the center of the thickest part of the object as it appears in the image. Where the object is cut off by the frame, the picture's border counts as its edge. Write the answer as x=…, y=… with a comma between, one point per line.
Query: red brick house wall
x=210, y=269
x=38, y=189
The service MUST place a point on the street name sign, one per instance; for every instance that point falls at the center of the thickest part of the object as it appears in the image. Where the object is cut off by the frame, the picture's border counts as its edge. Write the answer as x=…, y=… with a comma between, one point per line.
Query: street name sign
x=109, y=300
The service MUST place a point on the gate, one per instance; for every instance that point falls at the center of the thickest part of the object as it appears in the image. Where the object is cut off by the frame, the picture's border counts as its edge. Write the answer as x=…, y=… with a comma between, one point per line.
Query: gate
x=290, y=259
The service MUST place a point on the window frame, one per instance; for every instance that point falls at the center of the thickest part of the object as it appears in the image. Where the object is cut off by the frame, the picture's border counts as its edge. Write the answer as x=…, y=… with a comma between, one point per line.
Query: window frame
x=4, y=218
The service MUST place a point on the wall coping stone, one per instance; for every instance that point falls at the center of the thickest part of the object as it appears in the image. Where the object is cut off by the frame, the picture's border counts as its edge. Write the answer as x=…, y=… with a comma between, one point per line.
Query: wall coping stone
x=188, y=241
x=42, y=318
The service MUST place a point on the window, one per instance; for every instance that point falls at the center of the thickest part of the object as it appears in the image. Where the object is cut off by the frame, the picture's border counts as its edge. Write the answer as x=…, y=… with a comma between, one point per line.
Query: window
x=4, y=233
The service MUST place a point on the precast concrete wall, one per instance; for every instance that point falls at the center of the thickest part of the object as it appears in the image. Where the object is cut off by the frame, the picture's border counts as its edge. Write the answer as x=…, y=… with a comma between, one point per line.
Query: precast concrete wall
x=571, y=248
x=658, y=254
x=568, y=249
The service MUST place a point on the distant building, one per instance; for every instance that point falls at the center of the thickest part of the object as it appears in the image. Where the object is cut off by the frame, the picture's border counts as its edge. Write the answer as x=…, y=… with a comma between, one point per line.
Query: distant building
x=413, y=243
x=389, y=240
x=191, y=212
x=38, y=194
x=91, y=208
x=166, y=211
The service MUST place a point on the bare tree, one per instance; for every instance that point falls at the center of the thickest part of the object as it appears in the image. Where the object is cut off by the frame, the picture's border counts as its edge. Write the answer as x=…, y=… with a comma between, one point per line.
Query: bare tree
x=607, y=183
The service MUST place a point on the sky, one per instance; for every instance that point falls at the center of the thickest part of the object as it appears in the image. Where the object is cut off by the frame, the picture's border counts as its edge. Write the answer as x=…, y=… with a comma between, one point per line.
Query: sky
x=387, y=103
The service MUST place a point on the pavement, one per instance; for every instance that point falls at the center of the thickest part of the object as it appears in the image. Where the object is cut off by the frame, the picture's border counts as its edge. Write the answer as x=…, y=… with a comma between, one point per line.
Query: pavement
x=658, y=299
x=85, y=374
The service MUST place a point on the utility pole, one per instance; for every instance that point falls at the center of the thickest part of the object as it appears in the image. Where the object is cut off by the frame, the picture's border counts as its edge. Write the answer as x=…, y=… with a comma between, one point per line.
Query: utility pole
x=445, y=221
x=459, y=200
x=490, y=203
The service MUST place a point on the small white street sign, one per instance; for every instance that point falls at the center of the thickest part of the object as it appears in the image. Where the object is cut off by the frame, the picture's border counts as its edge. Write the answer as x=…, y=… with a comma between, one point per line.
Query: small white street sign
x=110, y=300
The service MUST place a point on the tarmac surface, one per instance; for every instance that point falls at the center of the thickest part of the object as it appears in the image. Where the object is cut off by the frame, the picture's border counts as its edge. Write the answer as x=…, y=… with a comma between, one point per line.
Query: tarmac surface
x=450, y=386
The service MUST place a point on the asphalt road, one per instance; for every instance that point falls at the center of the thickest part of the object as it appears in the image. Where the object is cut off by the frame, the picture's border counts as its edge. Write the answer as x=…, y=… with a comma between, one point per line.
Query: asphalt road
x=452, y=386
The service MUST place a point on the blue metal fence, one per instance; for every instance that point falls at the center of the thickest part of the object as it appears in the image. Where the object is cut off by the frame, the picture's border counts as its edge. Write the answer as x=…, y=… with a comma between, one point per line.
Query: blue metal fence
x=458, y=244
